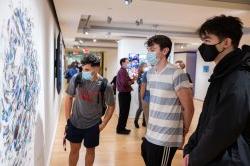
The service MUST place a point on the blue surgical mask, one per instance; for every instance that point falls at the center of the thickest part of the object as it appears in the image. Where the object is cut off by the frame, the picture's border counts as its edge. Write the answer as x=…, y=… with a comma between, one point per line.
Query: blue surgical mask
x=87, y=75
x=151, y=58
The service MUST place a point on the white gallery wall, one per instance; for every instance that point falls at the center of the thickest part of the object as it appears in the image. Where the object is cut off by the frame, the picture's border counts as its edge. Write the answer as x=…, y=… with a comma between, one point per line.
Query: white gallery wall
x=32, y=115
x=202, y=77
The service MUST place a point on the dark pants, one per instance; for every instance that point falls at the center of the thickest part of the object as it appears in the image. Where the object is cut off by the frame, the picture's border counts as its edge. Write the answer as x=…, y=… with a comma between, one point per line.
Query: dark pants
x=140, y=109
x=154, y=155
x=124, y=104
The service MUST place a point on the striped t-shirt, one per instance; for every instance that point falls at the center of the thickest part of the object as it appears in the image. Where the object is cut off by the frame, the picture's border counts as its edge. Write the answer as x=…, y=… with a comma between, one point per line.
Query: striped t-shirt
x=165, y=124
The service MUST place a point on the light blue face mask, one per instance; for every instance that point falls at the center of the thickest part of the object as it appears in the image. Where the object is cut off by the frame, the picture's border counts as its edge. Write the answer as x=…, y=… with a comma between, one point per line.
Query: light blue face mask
x=151, y=58
x=87, y=75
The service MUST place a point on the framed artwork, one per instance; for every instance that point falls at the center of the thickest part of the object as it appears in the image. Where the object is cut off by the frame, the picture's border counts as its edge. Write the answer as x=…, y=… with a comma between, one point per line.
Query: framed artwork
x=134, y=64
x=58, y=63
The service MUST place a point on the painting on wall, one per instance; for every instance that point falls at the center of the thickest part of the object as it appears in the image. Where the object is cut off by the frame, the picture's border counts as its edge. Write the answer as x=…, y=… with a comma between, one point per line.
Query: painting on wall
x=19, y=85
x=133, y=65
x=58, y=63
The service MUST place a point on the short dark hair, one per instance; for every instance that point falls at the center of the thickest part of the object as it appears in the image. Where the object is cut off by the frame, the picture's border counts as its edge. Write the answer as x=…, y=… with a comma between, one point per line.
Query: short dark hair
x=223, y=27
x=91, y=59
x=123, y=60
x=162, y=41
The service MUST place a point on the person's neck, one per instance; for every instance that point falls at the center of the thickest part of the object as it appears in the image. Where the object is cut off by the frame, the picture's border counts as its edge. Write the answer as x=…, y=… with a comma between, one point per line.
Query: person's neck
x=161, y=65
x=223, y=54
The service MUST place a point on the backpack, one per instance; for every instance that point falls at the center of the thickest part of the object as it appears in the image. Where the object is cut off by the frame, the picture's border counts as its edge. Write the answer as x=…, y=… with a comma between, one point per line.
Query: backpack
x=102, y=89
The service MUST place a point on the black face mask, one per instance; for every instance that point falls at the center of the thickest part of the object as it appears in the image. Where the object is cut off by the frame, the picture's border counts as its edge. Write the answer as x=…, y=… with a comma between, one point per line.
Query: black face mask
x=209, y=52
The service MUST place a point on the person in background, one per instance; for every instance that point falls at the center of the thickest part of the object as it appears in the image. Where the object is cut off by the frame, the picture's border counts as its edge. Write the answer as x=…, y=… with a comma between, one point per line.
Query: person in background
x=85, y=122
x=123, y=84
x=71, y=71
x=141, y=70
x=222, y=137
x=170, y=91
x=113, y=83
x=182, y=65
x=145, y=96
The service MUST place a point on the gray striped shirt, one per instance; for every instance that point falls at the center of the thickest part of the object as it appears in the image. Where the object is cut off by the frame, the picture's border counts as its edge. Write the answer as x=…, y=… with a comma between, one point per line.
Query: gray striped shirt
x=165, y=125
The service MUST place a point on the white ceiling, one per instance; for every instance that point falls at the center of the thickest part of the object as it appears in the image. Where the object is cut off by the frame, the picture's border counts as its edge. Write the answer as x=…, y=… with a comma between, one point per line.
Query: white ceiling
x=177, y=20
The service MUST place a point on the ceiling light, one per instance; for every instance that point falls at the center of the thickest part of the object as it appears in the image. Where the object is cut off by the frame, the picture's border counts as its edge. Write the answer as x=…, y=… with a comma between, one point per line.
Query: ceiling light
x=94, y=40
x=127, y=2
x=86, y=33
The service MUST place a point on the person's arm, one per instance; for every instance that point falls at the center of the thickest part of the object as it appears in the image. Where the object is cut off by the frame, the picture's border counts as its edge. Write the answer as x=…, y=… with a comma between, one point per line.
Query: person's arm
x=186, y=99
x=224, y=127
x=68, y=106
x=107, y=117
x=110, y=101
x=143, y=89
x=70, y=93
x=143, y=85
x=184, y=93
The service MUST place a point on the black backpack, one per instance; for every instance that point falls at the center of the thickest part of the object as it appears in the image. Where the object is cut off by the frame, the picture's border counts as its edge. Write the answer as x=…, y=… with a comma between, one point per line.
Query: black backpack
x=102, y=89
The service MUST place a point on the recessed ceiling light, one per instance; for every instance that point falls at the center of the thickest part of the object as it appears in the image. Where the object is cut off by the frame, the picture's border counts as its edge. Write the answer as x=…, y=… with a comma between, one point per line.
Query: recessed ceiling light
x=127, y=2
x=86, y=33
x=94, y=40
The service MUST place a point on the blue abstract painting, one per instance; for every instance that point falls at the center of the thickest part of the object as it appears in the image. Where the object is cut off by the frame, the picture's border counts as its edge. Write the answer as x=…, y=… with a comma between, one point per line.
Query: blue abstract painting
x=19, y=87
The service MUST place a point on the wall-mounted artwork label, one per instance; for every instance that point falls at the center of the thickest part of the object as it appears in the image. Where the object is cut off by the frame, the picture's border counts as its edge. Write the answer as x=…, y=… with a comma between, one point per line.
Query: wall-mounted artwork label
x=19, y=84
x=205, y=69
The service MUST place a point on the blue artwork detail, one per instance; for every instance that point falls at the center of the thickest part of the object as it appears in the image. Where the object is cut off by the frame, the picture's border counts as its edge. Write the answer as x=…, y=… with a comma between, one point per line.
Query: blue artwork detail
x=19, y=88
x=58, y=64
x=205, y=69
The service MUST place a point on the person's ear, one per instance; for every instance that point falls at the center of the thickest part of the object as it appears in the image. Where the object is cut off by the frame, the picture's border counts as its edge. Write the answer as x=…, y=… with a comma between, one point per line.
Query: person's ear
x=165, y=51
x=227, y=43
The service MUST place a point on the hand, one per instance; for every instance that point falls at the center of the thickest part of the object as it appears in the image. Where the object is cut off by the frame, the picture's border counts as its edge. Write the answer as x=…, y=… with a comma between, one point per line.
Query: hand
x=102, y=126
x=186, y=160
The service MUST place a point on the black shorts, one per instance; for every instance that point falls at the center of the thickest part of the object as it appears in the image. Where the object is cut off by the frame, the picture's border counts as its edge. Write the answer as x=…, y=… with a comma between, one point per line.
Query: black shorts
x=90, y=136
x=155, y=155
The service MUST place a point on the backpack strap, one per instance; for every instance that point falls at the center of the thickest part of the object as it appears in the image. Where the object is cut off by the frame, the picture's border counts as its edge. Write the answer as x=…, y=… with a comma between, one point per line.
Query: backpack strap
x=78, y=79
x=103, y=87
